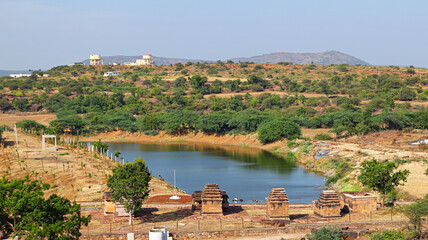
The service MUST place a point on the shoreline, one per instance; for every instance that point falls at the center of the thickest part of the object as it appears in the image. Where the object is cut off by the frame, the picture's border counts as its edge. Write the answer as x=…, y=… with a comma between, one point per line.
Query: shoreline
x=353, y=150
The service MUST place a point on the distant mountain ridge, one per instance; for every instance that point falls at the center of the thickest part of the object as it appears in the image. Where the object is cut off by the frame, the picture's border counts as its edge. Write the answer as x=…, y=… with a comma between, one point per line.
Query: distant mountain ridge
x=157, y=60
x=323, y=58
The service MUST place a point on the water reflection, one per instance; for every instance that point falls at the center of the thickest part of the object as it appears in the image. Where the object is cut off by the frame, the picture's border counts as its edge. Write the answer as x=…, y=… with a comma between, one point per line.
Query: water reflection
x=243, y=172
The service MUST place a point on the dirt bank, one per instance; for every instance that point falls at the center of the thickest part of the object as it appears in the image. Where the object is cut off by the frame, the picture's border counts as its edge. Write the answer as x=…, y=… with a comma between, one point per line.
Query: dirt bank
x=73, y=173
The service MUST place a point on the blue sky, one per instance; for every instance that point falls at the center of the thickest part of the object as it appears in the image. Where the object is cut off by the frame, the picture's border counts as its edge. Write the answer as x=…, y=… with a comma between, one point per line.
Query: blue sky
x=45, y=33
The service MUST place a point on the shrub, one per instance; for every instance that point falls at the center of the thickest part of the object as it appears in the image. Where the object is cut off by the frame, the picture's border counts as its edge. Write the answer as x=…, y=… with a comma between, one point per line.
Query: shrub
x=323, y=137
x=278, y=129
x=325, y=233
x=391, y=234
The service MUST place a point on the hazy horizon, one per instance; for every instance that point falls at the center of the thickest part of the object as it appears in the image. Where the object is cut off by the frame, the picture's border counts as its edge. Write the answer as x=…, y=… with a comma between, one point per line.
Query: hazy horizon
x=42, y=34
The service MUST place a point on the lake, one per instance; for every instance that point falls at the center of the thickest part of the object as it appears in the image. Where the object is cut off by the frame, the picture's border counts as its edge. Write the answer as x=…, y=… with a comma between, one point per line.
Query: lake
x=243, y=172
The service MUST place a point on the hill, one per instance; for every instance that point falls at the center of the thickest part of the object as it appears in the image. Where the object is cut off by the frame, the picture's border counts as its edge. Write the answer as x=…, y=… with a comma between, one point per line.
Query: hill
x=157, y=60
x=323, y=58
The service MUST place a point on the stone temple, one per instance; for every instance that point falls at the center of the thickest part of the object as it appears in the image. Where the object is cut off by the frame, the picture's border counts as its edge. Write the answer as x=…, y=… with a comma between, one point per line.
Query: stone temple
x=210, y=201
x=277, y=205
x=328, y=204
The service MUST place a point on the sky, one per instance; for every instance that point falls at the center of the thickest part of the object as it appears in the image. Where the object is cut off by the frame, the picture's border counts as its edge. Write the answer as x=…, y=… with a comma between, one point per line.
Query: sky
x=41, y=34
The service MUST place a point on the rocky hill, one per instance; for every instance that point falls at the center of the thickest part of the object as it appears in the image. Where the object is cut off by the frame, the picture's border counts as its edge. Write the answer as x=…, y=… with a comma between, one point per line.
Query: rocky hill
x=323, y=58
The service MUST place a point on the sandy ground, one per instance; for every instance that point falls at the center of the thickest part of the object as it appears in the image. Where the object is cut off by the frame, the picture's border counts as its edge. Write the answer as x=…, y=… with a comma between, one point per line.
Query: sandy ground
x=9, y=119
x=273, y=237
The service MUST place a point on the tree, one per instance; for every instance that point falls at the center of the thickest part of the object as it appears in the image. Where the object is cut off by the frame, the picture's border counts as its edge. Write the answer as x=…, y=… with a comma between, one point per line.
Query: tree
x=20, y=104
x=25, y=212
x=101, y=147
x=325, y=233
x=415, y=212
x=380, y=176
x=129, y=185
x=179, y=121
x=278, y=129
x=4, y=104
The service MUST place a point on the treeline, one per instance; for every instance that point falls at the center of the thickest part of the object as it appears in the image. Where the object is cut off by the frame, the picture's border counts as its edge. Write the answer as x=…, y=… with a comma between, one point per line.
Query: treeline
x=270, y=125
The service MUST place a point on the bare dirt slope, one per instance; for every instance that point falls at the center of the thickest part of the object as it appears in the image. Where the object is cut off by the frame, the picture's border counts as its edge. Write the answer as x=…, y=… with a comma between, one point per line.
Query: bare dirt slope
x=10, y=119
x=74, y=173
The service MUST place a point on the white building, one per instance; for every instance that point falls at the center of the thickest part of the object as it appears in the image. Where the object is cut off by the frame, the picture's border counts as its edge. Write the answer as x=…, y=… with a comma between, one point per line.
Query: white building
x=108, y=74
x=94, y=59
x=18, y=75
x=145, y=61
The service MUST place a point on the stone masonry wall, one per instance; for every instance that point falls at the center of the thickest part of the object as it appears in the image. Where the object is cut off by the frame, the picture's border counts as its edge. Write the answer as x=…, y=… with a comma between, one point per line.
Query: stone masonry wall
x=294, y=228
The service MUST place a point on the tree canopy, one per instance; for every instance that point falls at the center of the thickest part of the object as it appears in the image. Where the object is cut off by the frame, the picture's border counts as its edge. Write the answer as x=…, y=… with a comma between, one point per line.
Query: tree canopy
x=278, y=129
x=129, y=185
x=25, y=212
x=382, y=176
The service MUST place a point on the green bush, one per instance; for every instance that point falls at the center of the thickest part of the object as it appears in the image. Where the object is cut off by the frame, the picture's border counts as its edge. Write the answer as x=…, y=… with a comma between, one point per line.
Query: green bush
x=278, y=129
x=323, y=137
x=151, y=132
x=325, y=233
x=391, y=234
x=30, y=125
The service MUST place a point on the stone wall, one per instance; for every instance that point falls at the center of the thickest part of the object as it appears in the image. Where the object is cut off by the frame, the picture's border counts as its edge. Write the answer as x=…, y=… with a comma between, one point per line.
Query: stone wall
x=292, y=228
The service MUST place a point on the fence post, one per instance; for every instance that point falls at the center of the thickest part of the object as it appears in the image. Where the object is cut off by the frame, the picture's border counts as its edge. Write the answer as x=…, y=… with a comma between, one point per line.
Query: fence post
x=199, y=225
x=176, y=224
x=221, y=225
x=349, y=216
x=242, y=222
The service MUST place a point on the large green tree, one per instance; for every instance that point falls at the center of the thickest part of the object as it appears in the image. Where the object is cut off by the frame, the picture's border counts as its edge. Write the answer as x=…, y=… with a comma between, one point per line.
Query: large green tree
x=129, y=185
x=382, y=176
x=278, y=129
x=24, y=211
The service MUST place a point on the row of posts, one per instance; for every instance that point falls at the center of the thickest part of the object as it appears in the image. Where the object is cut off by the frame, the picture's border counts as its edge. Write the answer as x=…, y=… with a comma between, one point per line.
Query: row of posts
x=91, y=148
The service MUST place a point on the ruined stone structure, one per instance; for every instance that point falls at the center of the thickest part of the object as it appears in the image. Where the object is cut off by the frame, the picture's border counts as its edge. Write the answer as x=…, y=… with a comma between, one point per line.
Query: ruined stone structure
x=197, y=201
x=94, y=59
x=277, y=205
x=328, y=204
x=358, y=201
x=225, y=197
x=210, y=201
x=109, y=206
x=113, y=208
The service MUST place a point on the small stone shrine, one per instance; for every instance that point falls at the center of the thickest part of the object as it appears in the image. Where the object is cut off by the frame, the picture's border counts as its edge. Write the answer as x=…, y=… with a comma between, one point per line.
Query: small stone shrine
x=358, y=201
x=225, y=197
x=109, y=206
x=197, y=201
x=328, y=204
x=277, y=205
x=210, y=201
